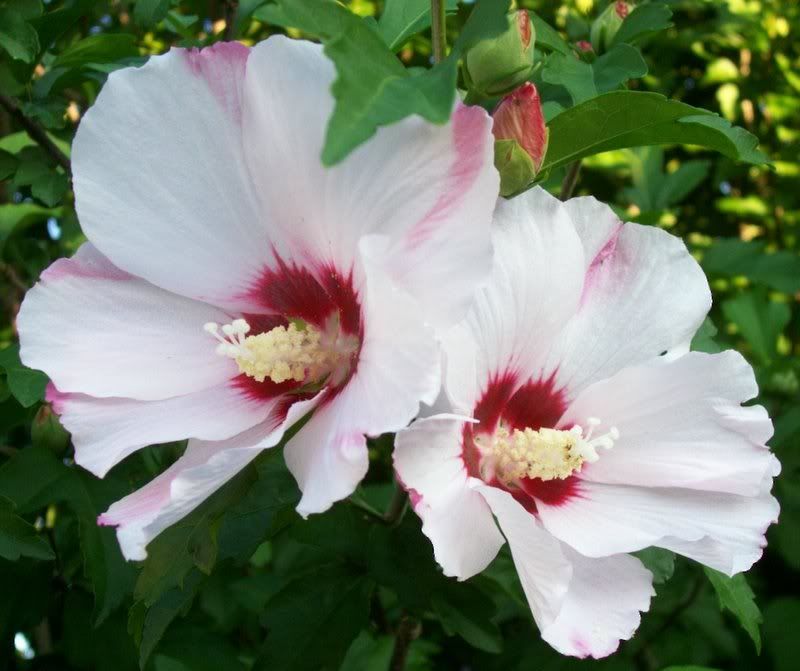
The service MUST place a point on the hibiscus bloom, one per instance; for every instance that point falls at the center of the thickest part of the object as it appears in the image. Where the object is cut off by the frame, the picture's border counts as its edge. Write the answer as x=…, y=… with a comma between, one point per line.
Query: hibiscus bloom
x=596, y=432
x=232, y=283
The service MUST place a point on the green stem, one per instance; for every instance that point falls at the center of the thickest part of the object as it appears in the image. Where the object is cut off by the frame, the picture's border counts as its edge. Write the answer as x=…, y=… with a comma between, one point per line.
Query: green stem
x=571, y=180
x=397, y=506
x=438, y=31
x=408, y=630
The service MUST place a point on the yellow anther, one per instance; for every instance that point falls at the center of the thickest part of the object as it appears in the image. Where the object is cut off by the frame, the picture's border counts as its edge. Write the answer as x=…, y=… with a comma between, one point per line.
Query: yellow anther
x=283, y=353
x=547, y=454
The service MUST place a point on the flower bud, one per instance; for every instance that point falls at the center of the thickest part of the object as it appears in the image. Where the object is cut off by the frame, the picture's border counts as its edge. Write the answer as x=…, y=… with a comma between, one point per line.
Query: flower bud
x=47, y=432
x=606, y=25
x=520, y=139
x=496, y=66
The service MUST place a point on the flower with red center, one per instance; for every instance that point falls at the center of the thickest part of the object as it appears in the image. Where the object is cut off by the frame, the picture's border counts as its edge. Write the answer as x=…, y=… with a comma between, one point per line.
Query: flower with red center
x=232, y=283
x=595, y=432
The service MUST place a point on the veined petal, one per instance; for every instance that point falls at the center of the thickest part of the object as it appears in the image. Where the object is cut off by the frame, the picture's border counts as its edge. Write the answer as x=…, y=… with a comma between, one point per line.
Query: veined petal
x=543, y=569
x=681, y=424
x=724, y=531
x=202, y=470
x=533, y=291
x=398, y=368
x=602, y=605
x=96, y=330
x=170, y=199
x=643, y=294
x=106, y=430
x=427, y=459
x=429, y=189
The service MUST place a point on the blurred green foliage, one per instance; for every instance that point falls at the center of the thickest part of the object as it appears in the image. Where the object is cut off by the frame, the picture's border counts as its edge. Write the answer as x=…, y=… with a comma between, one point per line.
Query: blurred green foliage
x=242, y=583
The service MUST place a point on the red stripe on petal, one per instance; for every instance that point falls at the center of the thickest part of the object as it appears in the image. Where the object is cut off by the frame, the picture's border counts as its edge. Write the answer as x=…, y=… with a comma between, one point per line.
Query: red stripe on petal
x=222, y=65
x=534, y=405
x=601, y=259
x=551, y=492
x=312, y=295
x=470, y=136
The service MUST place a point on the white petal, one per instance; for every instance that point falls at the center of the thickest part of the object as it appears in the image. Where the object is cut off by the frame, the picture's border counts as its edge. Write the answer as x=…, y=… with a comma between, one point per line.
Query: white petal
x=203, y=469
x=643, y=294
x=602, y=606
x=398, y=367
x=681, y=425
x=97, y=330
x=429, y=188
x=427, y=459
x=724, y=531
x=106, y=430
x=534, y=289
x=544, y=570
x=169, y=197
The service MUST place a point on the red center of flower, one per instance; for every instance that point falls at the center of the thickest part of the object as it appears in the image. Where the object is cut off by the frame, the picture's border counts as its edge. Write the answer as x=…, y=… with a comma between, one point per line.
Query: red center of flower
x=318, y=295
x=535, y=404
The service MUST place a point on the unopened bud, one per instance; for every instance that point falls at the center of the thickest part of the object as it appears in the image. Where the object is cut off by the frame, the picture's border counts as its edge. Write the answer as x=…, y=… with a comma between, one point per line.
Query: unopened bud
x=496, y=66
x=605, y=26
x=47, y=432
x=520, y=139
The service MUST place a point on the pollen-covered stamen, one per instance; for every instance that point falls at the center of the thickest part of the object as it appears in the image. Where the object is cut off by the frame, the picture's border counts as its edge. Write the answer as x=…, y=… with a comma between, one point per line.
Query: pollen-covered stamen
x=280, y=354
x=547, y=454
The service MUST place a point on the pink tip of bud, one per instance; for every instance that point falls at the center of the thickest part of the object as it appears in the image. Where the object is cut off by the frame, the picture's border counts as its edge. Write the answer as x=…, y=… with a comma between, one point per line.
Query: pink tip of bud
x=519, y=117
x=585, y=46
x=622, y=9
x=524, y=23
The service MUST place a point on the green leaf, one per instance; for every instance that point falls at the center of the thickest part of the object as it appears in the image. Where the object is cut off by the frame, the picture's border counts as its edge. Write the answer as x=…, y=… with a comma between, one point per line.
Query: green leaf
x=780, y=633
x=148, y=625
x=731, y=256
x=373, y=88
x=102, y=48
x=735, y=595
x=313, y=619
x=17, y=36
x=464, y=610
x=35, y=478
x=17, y=217
x=759, y=319
x=547, y=36
x=703, y=340
x=18, y=538
x=643, y=21
x=8, y=164
x=586, y=80
x=660, y=562
x=403, y=18
x=623, y=119
x=149, y=12
x=27, y=385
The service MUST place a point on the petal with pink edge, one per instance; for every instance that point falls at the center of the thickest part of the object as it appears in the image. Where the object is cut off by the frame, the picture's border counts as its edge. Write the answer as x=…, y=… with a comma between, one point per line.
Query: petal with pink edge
x=430, y=189
x=724, y=531
x=170, y=199
x=203, y=469
x=96, y=330
x=681, y=424
x=459, y=523
x=643, y=294
x=106, y=430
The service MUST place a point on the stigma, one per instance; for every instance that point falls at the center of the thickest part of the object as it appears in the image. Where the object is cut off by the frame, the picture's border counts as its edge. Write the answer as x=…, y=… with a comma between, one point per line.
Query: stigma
x=546, y=454
x=281, y=354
